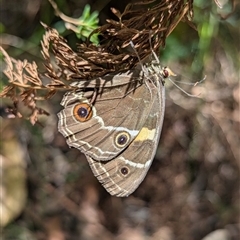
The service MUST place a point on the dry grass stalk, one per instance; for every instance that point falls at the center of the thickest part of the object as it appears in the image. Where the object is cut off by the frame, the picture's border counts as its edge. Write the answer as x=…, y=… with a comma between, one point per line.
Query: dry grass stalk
x=147, y=24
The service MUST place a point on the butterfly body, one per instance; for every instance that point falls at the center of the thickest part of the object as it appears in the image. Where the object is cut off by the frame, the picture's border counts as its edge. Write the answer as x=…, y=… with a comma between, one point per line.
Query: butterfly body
x=119, y=131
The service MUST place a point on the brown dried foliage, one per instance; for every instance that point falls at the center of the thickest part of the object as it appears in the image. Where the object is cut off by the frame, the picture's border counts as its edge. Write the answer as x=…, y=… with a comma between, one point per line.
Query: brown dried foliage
x=147, y=24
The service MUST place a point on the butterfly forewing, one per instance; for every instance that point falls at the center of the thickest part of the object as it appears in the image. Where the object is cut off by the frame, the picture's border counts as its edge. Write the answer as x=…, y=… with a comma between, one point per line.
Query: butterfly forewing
x=118, y=114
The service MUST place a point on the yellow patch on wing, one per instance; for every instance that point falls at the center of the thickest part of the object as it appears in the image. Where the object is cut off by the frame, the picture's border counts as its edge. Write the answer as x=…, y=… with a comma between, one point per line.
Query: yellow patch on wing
x=145, y=134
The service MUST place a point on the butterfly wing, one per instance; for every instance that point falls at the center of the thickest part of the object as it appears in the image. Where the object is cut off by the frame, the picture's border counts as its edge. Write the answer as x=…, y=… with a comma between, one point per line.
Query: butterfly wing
x=123, y=174
x=117, y=117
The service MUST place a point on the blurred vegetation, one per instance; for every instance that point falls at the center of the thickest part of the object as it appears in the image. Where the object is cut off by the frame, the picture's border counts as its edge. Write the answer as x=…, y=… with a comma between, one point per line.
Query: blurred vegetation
x=195, y=48
x=192, y=188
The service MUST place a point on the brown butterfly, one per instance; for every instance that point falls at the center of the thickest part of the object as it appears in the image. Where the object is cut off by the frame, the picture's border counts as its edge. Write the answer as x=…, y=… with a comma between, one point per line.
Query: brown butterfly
x=118, y=130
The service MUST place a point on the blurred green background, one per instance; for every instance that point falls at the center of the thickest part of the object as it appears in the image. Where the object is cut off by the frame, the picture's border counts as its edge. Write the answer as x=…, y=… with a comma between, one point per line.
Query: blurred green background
x=192, y=188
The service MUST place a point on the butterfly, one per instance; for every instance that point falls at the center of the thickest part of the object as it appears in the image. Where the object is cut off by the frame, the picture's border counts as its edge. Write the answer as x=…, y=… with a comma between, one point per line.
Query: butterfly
x=116, y=121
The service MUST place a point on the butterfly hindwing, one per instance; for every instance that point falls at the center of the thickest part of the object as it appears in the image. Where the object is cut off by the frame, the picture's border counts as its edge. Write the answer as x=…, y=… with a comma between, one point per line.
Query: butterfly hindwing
x=123, y=174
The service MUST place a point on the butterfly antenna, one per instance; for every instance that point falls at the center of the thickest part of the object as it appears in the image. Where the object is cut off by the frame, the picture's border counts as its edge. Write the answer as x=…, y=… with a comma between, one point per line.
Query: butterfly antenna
x=191, y=84
x=188, y=94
